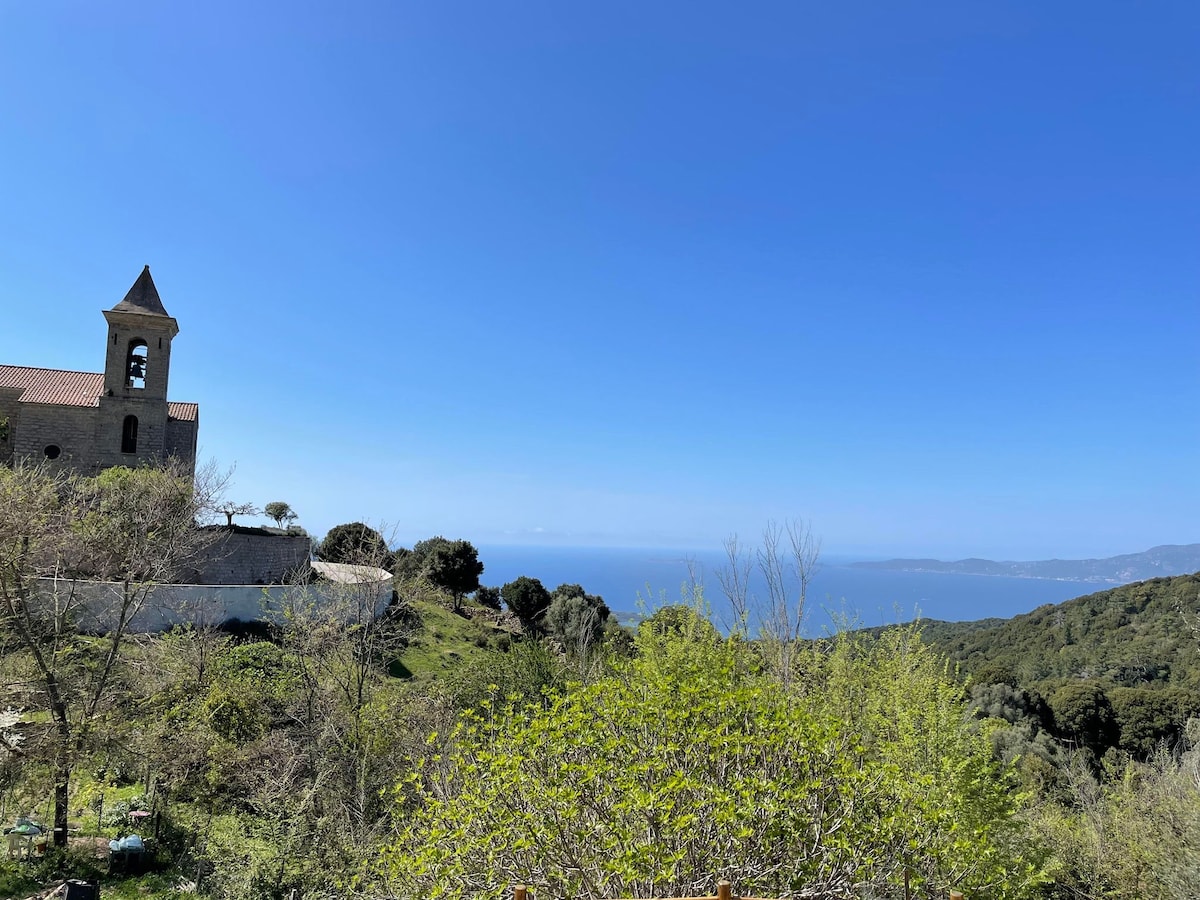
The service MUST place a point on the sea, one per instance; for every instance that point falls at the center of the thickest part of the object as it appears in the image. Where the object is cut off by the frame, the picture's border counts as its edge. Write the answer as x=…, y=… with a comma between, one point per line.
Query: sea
x=636, y=581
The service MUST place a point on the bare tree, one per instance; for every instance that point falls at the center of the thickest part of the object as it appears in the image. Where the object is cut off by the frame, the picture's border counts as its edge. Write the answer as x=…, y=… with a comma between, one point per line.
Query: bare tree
x=342, y=633
x=230, y=509
x=786, y=560
x=78, y=559
x=734, y=579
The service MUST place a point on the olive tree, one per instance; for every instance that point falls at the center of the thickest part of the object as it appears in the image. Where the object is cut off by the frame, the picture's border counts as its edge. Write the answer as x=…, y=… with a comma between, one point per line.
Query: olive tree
x=279, y=512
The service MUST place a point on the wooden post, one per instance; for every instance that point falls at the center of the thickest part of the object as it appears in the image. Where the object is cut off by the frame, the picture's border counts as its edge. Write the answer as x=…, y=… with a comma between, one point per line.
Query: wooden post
x=520, y=892
x=724, y=890
x=956, y=895
x=907, y=883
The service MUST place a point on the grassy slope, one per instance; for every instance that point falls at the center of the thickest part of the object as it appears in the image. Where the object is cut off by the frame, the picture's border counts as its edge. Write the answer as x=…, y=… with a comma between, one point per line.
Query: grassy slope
x=445, y=641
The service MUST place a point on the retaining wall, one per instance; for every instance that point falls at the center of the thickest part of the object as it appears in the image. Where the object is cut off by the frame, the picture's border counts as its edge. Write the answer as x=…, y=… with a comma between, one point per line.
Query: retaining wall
x=168, y=605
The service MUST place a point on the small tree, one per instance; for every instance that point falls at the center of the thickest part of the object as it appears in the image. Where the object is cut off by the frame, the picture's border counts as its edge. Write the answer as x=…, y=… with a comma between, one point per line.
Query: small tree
x=229, y=510
x=455, y=567
x=786, y=561
x=414, y=563
x=488, y=596
x=1084, y=715
x=280, y=512
x=355, y=543
x=576, y=618
x=527, y=599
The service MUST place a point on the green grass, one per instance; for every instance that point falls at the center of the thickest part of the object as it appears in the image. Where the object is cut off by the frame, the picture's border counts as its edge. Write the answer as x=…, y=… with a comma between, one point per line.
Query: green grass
x=446, y=641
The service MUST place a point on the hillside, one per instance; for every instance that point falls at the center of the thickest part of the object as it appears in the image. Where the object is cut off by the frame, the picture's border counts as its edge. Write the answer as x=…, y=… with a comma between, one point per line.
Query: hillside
x=1136, y=635
x=1157, y=562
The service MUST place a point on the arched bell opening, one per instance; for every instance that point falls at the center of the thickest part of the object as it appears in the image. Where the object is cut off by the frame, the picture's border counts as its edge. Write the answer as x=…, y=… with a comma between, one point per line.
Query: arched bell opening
x=135, y=364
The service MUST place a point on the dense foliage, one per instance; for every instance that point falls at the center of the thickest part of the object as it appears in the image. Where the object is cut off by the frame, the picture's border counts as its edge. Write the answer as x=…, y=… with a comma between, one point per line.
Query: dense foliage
x=1136, y=635
x=527, y=599
x=354, y=543
x=688, y=761
x=1118, y=668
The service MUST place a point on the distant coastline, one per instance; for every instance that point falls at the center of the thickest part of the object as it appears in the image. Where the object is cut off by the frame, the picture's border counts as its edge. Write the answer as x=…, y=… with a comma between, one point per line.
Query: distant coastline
x=636, y=581
x=1157, y=562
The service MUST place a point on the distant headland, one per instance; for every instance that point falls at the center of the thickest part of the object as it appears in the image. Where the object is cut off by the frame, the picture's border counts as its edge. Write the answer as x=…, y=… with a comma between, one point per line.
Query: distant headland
x=1157, y=562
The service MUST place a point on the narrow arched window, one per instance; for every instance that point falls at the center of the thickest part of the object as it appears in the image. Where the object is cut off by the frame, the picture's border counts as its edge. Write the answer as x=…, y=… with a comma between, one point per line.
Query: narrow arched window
x=129, y=435
x=135, y=364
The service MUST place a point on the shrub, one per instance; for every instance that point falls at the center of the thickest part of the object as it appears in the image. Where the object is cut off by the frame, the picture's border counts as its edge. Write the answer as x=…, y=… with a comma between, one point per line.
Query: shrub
x=688, y=763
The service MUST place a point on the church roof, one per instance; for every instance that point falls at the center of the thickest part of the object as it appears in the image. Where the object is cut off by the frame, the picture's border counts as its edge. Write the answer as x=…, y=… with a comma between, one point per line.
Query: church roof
x=142, y=297
x=185, y=412
x=62, y=388
x=54, y=385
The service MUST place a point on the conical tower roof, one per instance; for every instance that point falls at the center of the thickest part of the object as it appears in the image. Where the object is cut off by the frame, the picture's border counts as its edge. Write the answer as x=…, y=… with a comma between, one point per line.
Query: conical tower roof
x=142, y=297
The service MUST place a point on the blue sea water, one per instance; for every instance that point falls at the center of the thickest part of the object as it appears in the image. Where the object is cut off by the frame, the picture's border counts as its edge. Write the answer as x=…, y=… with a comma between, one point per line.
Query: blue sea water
x=633, y=580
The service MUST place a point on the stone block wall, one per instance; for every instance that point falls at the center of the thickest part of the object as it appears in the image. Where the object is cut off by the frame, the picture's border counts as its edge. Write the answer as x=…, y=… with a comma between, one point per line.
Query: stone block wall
x=90, y=439
x=250, y=557
x=151, y=436
x=70, y=428
x=181, y=441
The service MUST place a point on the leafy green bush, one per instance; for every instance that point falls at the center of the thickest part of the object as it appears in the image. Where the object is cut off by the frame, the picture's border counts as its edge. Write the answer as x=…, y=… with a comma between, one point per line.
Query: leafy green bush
x=689, y=763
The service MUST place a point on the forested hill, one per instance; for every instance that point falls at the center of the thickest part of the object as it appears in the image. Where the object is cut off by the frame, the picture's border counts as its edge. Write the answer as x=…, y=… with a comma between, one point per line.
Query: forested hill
x=1138, y=635
x=1168, y=559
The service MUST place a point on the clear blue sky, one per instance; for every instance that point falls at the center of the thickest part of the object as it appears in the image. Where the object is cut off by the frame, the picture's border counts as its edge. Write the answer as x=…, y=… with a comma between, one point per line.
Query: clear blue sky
x=638, y=273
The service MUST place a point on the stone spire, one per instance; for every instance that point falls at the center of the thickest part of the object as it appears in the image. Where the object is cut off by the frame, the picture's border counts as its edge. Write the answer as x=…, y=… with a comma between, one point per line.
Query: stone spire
x=142, y=297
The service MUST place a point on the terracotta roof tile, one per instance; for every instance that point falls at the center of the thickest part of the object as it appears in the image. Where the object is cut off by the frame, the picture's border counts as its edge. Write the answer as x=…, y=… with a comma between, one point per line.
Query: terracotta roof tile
x=62, y=388
x=54, y=385
x=185, y=412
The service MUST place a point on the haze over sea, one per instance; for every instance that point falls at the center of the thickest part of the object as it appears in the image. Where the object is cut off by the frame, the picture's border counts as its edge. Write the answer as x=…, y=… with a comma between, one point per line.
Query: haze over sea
x=838, y=592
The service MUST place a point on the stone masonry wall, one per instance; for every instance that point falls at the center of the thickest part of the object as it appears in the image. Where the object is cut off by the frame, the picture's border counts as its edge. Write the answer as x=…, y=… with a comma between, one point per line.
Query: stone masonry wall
x=251, y=559
x=151, y=437
x=90, y=438
x=70, y=428
x=181, y=441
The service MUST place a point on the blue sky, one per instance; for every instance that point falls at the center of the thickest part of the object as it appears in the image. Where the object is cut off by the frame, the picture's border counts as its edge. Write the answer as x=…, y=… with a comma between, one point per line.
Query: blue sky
x=638, y=273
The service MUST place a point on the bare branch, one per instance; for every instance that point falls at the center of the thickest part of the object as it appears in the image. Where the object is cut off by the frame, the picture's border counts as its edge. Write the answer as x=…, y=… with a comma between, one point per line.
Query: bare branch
x=734, y=579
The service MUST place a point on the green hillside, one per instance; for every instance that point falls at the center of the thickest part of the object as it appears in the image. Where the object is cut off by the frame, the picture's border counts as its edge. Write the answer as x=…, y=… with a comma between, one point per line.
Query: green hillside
x=1141, y=635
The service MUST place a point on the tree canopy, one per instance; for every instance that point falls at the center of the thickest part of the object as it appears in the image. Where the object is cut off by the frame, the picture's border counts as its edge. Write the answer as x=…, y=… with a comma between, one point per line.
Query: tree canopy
x=354, y=543
x=454, y=566
x=576, y=618
x=124, y=529
x=280, y=512
x=527, y=599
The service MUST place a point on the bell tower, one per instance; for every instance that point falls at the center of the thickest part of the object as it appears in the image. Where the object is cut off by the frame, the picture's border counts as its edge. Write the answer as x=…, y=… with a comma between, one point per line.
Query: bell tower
x=138, y=361
x=132, y=425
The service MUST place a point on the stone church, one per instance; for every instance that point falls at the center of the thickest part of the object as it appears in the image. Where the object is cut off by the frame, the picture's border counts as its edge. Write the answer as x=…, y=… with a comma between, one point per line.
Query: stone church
x=89, y=421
